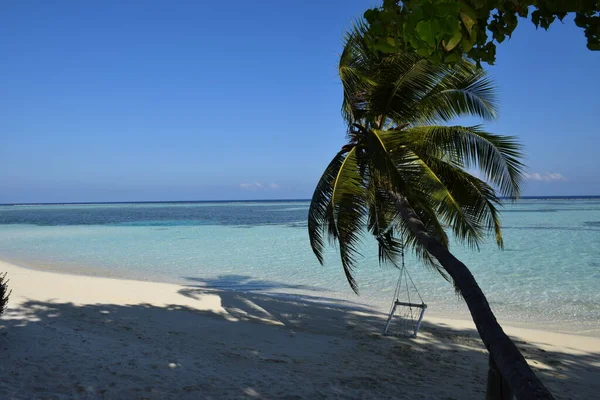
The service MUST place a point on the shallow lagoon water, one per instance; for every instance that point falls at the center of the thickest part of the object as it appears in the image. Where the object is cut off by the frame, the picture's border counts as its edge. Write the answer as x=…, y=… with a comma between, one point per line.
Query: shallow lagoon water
x=549, y=271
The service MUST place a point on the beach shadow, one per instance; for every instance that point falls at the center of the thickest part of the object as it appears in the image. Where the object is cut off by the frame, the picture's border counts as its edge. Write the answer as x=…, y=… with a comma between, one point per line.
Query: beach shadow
x=243, y=283
x=258, y=346
x=298, y=311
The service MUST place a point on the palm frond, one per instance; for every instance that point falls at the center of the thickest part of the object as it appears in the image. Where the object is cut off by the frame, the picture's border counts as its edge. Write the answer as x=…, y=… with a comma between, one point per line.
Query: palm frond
x=402, y=80
x=320, y=212
x=355, y=74
x=401, y=171
x=476, y=200
x=497, y=157
x=383, y=215
x=389, y=248
x=350, y=209
x=463, y=90
x=429, y=219
x=450, y=211
x=397, y=171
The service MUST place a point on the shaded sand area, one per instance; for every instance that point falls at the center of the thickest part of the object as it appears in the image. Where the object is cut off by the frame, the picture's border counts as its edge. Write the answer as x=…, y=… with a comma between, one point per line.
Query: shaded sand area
x=67, y=336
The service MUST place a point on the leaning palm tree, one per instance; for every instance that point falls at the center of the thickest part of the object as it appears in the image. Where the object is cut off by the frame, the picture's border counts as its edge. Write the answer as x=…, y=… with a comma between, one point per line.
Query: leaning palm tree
x=404, y=177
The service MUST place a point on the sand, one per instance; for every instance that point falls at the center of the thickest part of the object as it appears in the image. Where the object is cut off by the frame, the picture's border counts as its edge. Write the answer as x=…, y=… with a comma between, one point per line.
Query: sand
x=76, y=337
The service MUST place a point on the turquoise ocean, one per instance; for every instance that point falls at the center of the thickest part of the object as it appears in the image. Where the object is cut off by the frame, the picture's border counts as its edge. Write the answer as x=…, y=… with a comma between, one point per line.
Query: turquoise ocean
x=548, y=273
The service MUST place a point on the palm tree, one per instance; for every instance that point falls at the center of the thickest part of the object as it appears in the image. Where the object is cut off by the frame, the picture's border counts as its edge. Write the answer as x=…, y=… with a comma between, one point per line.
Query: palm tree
x=403, y=174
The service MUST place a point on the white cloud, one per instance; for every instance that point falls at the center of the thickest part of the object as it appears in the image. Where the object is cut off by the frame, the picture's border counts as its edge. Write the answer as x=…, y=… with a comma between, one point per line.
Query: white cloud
x=545, y=177
x=259, y=186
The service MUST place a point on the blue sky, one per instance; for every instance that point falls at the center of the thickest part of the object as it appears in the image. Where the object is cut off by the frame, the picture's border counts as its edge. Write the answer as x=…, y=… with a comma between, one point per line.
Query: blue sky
x=197, y=100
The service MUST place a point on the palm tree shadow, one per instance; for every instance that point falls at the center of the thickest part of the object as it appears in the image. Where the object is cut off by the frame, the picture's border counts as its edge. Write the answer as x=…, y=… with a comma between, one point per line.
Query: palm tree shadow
x=245, y=283
x=251, y=300
x=302, y=345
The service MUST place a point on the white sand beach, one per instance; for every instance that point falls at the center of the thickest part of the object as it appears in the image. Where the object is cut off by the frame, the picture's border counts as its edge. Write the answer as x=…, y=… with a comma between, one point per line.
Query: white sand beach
x=68, y=336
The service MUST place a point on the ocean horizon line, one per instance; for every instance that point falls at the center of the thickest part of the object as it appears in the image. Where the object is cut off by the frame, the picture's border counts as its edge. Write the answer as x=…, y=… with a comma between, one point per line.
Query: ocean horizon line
x=574, y=197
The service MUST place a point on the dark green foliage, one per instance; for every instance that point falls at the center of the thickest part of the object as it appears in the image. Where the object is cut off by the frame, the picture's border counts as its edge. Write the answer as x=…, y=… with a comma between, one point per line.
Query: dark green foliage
x=4, y=293
x=394, y=105
x=448, y=30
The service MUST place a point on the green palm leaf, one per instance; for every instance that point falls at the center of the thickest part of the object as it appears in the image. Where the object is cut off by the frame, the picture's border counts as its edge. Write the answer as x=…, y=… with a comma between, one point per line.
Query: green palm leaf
x=381, y=220
x=434, y=229
x=498, y=157
x=463, y=91
x=319, y=212
x=450, y=211
x=476, y=200
x=350, y=208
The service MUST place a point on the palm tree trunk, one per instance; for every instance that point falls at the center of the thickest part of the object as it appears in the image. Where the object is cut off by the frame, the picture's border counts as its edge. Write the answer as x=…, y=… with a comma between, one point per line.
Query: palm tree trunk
x=510, y=362
x=497, y=388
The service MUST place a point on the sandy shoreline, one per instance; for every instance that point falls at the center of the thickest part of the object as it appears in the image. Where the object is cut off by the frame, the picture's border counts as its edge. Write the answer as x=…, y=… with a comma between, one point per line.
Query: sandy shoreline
x=454, y=310
x=71, y=336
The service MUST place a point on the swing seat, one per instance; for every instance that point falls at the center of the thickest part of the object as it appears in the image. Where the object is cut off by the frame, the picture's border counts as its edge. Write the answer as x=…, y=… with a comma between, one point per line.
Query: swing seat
x=419, y=305
x=406, y=322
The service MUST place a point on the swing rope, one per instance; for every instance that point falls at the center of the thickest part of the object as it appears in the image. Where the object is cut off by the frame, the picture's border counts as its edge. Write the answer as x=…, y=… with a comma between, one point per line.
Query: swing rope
x=404, y=274
x=411, y=321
